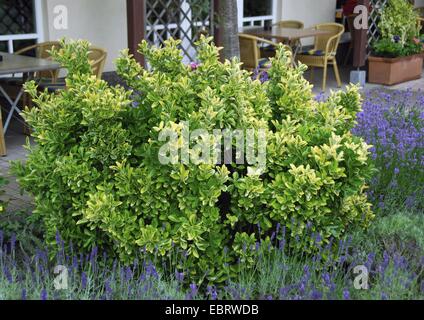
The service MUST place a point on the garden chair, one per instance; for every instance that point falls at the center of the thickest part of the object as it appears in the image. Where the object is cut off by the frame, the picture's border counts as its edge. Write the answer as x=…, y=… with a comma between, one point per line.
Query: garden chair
x=250, y=54
x=39, y=50
x=269, y=51
x=293, y=24
x=324, y=52
x=42, y=51
x=96, y=56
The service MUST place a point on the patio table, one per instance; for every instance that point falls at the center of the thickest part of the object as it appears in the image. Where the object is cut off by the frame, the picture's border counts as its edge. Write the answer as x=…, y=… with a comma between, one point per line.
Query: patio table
x=11, y=64
x=285, y=34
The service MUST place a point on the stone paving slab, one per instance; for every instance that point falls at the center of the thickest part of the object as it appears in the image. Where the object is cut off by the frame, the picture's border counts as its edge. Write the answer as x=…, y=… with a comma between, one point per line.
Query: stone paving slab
x=15, y=139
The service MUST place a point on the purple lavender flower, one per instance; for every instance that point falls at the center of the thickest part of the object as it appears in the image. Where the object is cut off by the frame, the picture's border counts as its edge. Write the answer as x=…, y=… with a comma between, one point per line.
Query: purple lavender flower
x=318, y=239
x=257, y=246
x=7, y=274
x=194, y=290
x=179, y=276
x=308, y=225
x=83, y=280
x=93, y=255
x=108, y=288
x=284, y=292
x=214, y=293
x=23, y=294
x=43, y=295
x=75, y=262
x=346, y=294
x=58, y=239
x=13, y=243
x=316, y=295
x=393, y=124
x=128, y=274
x=327, y=279
x=151, y=271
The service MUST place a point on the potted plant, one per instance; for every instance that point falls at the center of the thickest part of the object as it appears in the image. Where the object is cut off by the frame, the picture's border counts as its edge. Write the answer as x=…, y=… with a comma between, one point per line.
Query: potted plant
x=398, y=55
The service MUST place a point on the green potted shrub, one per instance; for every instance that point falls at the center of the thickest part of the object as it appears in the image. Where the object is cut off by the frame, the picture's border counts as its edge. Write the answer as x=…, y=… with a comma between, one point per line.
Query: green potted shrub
x=398, y=55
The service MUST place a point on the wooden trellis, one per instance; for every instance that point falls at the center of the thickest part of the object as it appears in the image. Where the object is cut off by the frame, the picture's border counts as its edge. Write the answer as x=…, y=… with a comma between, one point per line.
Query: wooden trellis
x=365, y=38
x=180, y=19
x=373, y=33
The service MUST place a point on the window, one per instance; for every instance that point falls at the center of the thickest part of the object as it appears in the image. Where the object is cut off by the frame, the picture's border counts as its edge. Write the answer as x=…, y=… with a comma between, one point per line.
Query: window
x=254, y=8
x=17, y=17
x=253, y=13
x=18, y=24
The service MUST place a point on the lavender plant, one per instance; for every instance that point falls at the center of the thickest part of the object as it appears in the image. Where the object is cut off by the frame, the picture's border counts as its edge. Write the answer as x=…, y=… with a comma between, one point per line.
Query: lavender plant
x=278, y=274
x=393, y=122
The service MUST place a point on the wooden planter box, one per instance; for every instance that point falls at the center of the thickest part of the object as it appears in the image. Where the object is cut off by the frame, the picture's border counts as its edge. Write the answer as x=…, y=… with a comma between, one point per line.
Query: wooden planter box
x=390, y=71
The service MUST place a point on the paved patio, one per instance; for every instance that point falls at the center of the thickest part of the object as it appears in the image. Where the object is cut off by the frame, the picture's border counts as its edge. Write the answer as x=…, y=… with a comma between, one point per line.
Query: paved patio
x=415, y=85
x=15, y=138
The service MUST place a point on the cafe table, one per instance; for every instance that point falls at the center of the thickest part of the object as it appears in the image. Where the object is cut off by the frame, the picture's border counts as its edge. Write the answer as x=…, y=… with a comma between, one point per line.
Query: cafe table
x=287, y=35
x=27, y=66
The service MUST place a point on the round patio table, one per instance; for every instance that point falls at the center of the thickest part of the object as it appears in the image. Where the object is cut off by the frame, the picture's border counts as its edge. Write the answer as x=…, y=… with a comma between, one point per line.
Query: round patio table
x=27, y=66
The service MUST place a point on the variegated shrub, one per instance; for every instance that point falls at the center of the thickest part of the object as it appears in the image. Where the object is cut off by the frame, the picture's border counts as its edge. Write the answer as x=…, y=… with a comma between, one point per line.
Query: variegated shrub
x=96, y=177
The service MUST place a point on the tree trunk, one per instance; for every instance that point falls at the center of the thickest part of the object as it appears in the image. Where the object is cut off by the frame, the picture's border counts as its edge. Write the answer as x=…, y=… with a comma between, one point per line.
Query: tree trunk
x=228, y=25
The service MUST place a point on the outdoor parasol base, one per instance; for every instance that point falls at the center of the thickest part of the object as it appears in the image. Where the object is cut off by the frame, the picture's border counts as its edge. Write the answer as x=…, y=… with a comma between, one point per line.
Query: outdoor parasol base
x=358, y=77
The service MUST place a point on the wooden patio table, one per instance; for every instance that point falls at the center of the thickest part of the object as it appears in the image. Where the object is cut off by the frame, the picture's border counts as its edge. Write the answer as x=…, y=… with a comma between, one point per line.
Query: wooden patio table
x=11, y=64
x=285, y=34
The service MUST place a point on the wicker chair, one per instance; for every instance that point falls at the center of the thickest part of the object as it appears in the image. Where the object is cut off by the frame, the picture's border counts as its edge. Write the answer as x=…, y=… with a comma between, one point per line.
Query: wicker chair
x=291, y=24
x=42, y=51
x=324, y=52
x=97, y=58
x=250, y=53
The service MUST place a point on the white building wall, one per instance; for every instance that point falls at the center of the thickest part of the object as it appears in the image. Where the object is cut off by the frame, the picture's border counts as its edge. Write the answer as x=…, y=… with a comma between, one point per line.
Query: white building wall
x=419, y=3
x=310, y=12
x=102, y=22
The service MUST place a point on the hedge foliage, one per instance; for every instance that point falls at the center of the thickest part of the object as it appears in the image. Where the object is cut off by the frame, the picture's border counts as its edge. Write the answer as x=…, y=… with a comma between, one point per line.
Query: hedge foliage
x=96, y=178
